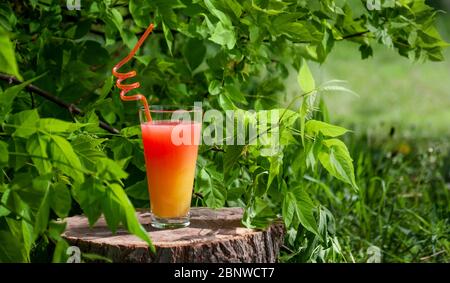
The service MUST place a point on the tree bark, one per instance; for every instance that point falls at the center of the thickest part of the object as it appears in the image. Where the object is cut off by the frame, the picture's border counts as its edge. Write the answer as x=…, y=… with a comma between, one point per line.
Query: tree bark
x=213, y=236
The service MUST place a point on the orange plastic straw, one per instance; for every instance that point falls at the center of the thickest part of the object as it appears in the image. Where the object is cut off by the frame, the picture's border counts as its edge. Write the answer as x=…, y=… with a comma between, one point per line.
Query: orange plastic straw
x=123, y=76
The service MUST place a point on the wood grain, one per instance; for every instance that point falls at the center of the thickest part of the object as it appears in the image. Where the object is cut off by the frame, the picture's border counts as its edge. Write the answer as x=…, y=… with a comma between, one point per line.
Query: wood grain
x=213, y=236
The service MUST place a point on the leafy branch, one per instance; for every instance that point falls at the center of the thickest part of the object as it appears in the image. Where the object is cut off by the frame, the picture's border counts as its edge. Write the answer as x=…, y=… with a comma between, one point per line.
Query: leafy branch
x=72, y=108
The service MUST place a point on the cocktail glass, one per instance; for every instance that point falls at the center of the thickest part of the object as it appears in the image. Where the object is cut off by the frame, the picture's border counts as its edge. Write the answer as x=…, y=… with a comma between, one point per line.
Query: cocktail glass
x=171, y=142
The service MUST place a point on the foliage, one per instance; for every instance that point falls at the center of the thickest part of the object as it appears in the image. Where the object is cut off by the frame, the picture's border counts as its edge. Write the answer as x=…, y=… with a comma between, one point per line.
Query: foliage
x=400, y=213
x=231, y=55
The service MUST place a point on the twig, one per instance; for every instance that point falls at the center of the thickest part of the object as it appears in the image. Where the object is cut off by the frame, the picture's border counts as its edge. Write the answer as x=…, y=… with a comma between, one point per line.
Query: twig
x=73, y=109
x=355, y=34
x=13, y=80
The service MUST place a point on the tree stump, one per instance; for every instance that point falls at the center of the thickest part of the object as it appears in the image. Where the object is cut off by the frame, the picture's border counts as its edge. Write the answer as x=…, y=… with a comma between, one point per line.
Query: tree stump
x=213, y=236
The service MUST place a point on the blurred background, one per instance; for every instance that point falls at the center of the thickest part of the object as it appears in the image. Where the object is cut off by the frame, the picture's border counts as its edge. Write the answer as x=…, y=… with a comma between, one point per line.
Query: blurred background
x=393, y=91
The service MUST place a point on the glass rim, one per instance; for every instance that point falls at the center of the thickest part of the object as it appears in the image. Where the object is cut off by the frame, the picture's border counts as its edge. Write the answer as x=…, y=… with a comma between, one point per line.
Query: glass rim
x=171, y=108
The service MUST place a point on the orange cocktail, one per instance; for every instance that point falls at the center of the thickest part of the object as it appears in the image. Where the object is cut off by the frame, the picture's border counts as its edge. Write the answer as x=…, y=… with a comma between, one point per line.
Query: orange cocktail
x=170, y=148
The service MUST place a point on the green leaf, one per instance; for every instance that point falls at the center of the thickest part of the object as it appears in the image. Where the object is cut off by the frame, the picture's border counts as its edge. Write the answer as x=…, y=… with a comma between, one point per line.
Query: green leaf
x=286, y=121
x=138, y=158
x=132, y=131
x=276, y=161
x=235, y=94
x=298, y=208
x=12, y=248
x=106, y=88
x=6, y=200
x=222, y=32
x=29, y=193
x=60, y=253
x=139, y=190
x=60, y=199
x=43, y=214
x=26, y=121
x=312, y=152
x=109, y=169
x=305, y=78
x=258, y=213
x=338, y=88
x=62, y=152
x=140, y=10
x=37, y=146
x=313, y=127
x=297, y=31
x=235, y=7
x=289, y=209
x=211, y=185
x=125, y=210
x=7, y=97
x=92, y=122
x=93, y=53
x=129, y=38
x=95, y=258
x=334, y=156
x=223, y=35
x=115, y=18
x=231, y=156
x=55, y=229
x=226, y=103
x=223, y=18
x=88, y=150
x=8, y=62
x=17, y=161
x=366, y=51
x=336, y=143
x=27, y=233
x=194, y=52
x=274, y=11
x=89, y=195
x=4, y=154
x=114, y=21
x=168, y=36
x=121, y=148
x=111, y=210
x=215, y=87
x=21, y=230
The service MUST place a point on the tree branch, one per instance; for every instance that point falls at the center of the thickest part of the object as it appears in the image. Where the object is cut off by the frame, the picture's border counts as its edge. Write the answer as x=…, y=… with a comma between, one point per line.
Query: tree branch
x=72, y=108
x=355, y=34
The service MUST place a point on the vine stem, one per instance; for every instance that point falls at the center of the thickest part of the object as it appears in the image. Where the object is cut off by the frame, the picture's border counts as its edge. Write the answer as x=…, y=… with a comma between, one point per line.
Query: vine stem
x=72, y=108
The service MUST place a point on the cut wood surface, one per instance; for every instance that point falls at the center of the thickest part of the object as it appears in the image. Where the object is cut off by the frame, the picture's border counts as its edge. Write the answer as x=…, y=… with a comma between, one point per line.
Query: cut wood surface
x=213, y=236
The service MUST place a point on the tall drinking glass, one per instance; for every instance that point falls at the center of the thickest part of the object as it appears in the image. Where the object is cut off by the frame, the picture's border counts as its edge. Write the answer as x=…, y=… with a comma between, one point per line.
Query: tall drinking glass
x=171, y=142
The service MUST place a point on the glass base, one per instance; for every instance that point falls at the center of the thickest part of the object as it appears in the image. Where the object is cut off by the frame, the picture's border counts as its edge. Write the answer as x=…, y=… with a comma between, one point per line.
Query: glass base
x=170, y=223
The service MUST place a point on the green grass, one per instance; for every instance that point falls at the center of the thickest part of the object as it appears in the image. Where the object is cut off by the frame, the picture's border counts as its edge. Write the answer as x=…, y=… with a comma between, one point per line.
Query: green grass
x=401, y=210
x=402, y=207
